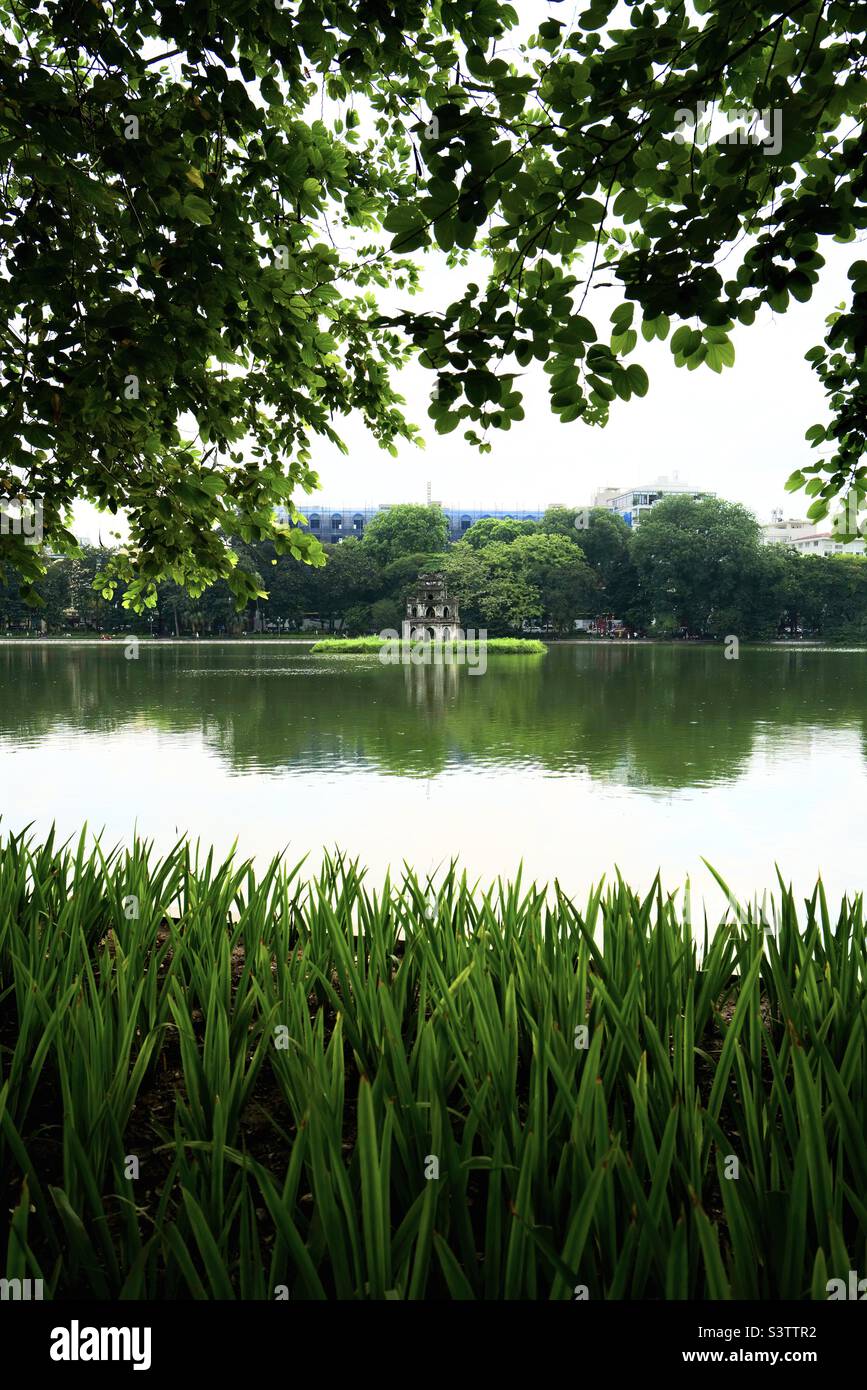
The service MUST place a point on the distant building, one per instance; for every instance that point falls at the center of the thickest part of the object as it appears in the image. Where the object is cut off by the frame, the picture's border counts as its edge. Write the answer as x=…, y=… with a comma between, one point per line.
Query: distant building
x=784, y=532
x=634, y=503
x=430, y=613
x=814, y=542
x=332, y=524
x=803, y=536
x=604, y=495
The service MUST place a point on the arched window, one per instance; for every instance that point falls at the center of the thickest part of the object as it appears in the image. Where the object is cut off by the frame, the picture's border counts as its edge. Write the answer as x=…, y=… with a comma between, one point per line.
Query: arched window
x=429, y=613
x=446, y=613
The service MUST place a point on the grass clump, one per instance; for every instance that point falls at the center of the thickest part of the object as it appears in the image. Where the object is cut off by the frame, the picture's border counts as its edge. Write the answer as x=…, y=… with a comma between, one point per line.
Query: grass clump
x=517, y=646
x=423, y=1091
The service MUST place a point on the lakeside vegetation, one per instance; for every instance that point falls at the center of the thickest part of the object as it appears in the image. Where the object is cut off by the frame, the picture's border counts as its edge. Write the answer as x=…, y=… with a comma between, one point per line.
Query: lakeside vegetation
x=224, y=1084
x=693, y=568
x=508, y=646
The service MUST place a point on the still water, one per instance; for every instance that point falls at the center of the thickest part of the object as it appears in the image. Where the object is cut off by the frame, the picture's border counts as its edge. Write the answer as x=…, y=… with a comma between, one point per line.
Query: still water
x=591, y=758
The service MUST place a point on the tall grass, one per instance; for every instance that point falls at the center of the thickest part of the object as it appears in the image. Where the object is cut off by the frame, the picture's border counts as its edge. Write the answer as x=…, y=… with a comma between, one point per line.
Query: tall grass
x=334, y=1090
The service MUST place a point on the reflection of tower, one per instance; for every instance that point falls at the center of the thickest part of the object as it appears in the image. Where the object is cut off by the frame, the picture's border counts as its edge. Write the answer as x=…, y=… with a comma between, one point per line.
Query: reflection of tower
x=425, y=684
x=430, y=613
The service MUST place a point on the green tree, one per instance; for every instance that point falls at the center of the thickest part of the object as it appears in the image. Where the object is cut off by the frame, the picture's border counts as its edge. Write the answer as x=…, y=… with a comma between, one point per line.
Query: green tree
x=357, y=620
x=562, y=521
x=351, y=577
x=490, y=528
x=386, y=615
x=532, y=578
x=507, y=596
x=85, y=608
x=556, y=569
x=467, y=570
x=606, y=540
x=289, y=585
x=406, y=529
x=353, y=570
x=168, y=255
x=400, y=577
x=15, y=615
x=694, y=560
x=216, y=613
x=55, y=592
x=832, y=595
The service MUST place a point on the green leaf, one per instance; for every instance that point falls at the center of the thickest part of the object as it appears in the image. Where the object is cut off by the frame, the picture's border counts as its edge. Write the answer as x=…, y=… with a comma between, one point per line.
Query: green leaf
x=637, y=379
x=196, y=210
x=629, y=205
x=818, y=510
x=412, y=239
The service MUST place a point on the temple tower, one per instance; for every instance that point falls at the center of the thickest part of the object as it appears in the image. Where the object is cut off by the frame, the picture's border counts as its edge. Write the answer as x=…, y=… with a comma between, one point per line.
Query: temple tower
x=430, y=614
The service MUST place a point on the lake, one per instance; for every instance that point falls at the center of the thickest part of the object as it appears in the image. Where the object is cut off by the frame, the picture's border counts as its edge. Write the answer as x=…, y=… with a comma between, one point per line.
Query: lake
x=591, y=758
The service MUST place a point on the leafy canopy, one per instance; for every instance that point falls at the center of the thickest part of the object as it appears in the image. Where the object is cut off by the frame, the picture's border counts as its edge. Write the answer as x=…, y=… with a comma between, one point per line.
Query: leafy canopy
x=627, y=148
x=192, y=236
x=697, y=559
x=406, y=529
x=187, y=266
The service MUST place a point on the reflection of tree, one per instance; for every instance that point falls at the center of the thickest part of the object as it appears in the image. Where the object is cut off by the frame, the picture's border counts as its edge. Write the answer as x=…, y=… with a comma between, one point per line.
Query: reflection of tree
x=643, y=716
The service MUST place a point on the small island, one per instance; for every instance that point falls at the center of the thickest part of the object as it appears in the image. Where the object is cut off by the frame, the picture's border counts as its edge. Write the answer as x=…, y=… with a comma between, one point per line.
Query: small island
x=515, y=646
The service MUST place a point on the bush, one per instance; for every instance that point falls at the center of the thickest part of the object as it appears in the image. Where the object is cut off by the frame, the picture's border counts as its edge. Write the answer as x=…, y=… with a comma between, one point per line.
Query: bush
x=357, y=620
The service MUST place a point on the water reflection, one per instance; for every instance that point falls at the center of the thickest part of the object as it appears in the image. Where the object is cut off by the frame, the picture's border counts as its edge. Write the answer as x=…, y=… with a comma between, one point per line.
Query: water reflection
x=651, y=718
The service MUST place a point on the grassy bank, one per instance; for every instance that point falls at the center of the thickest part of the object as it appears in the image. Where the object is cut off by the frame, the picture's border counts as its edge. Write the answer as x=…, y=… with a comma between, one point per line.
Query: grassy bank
x=516, y=646
x=217, y=1083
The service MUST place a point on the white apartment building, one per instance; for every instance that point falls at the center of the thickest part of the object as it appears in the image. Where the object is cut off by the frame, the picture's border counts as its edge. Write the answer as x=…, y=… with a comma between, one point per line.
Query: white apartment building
x=635, y=502
x=784, y=532
x=803, y=536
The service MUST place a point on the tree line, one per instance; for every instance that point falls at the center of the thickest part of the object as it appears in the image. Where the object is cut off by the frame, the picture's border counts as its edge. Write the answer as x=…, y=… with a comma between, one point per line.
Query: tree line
x=694, y=568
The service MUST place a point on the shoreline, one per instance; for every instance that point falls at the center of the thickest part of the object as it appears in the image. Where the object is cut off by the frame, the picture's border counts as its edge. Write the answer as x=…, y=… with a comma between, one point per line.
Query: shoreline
x=119, y=639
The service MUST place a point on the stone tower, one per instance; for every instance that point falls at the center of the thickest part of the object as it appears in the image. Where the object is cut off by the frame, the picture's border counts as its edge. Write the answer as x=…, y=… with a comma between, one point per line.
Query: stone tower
x=430, y=614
